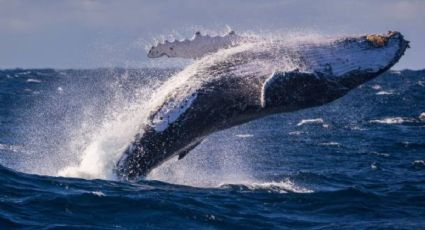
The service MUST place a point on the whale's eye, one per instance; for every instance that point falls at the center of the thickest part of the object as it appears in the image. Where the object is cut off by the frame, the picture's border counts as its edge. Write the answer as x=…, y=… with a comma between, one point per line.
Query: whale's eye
x=377, y=40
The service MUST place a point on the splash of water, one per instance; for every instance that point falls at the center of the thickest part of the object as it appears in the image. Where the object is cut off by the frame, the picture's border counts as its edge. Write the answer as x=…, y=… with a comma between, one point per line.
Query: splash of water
x=107, y=141
x=99, y=142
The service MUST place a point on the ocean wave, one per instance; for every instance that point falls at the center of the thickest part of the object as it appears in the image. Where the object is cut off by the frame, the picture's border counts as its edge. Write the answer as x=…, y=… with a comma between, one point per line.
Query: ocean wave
x=296, y=133
x=31, y=80
x=98, y=193
x=419, y=163
x=376, y=87
x=332, y=143
x=284, y=186
x=23, y=73
x=375, y=166
x=422, y=116
x=393, y=120
x=382, y=154
x=281, y=187
x=355, y=127
x=244, y=135
x=383, y=92
x=314, y=121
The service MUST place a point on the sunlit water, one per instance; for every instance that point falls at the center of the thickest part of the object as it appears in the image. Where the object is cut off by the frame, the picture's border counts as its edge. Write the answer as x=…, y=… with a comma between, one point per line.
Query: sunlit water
x=357, y=162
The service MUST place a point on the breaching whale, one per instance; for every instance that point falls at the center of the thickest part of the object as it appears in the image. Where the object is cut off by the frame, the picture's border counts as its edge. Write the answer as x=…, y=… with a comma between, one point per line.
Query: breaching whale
x=236, y=80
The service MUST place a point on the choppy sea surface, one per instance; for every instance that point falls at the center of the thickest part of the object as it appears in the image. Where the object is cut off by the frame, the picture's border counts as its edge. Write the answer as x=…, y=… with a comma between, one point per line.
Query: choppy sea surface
x=356, y=163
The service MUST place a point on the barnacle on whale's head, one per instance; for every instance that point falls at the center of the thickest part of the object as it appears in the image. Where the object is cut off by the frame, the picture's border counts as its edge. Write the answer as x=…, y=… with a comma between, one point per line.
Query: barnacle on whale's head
x=377, y=39
x=381, y=40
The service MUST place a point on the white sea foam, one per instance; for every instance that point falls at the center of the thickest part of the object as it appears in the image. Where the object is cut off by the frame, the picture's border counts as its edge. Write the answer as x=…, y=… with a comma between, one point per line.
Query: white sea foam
x=108, y=142
x=382, y=154
x=393, y=120
x=295, y=133
x=23, y=73
x=219, y=170
x=316, y=121
x=284, y=186
x=202, y=169
x=422, y=116
x=332, y=143
x=383, y=92
x=310, y=121
x=33, y=80
x=98, y=193
x=420, y=163
x=195, y=171
x=244, y=135
x=374, y=166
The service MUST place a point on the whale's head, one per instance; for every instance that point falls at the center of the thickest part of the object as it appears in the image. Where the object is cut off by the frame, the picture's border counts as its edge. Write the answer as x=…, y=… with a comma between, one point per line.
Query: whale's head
x=329, y=70
x=354, y=60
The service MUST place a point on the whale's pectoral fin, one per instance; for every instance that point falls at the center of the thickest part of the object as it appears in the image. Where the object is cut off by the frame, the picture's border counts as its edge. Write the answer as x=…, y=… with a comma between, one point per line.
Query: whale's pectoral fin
x=197, y=47
x=299, y=88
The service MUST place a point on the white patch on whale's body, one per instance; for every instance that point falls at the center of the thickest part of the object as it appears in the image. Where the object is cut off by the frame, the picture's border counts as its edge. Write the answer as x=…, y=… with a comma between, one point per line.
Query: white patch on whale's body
x=266, y=84
x=171, y=111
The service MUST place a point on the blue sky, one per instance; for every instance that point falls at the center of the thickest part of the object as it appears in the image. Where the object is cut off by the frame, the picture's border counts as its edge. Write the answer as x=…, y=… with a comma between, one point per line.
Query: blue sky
x=89, y=33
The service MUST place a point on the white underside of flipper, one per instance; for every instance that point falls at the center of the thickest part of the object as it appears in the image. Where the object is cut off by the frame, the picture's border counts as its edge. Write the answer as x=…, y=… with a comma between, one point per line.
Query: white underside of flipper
x=195, y=48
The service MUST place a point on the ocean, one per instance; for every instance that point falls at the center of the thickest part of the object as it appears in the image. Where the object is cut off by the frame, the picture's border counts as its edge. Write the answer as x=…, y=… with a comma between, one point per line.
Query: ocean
x=355, y=163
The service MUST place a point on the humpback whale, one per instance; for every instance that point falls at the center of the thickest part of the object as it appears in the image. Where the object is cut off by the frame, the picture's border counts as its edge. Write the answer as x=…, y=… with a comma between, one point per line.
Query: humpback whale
x=234, y=80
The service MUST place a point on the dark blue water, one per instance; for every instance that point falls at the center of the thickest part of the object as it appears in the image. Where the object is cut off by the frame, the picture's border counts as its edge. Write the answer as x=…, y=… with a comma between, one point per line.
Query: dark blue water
x=357, y=163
